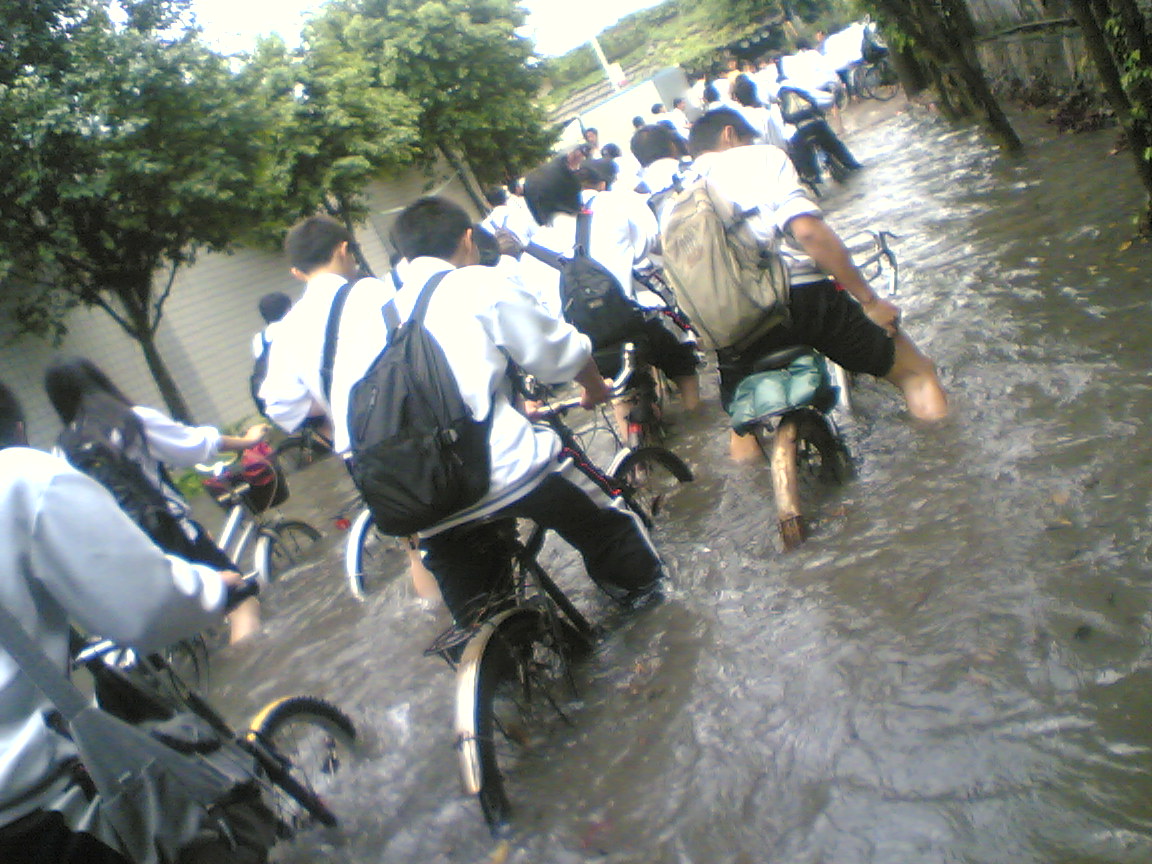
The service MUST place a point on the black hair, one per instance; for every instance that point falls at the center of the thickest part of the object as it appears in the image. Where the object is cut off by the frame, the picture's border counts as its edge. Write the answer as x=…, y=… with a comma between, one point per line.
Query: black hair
x=744, y=91
x=593, y=130
x=803, y=45
x=274, y=306
x=678, y=101
x=611, y=151
x=550, y=190
x=656, y=141
x=596, y=171
x=496, y=195
x=637, y=121
x=430, y=226
x=84, y=396
x=706, y=131
x=312, y=243
x=486, y=245
x=11, y=419
x=657, y=107
x=710, y=93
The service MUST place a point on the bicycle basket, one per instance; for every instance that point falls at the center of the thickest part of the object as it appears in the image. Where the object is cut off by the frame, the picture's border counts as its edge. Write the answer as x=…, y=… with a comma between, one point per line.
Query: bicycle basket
x=267, y=485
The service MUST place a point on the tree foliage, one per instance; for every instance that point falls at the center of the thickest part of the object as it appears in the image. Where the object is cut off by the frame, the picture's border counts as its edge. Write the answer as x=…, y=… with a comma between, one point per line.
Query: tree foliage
x=127, y=147
x=462, y=63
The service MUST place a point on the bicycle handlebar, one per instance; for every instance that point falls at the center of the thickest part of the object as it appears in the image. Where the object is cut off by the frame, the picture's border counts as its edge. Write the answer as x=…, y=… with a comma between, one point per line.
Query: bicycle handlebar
x=618, y=386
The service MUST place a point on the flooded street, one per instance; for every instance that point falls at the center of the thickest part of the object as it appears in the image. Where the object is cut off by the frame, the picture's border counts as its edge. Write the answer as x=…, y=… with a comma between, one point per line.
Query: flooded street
x=955, y=668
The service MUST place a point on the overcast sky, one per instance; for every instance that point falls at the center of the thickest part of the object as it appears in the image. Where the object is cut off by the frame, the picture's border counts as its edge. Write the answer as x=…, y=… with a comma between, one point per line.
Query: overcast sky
x=556, y=25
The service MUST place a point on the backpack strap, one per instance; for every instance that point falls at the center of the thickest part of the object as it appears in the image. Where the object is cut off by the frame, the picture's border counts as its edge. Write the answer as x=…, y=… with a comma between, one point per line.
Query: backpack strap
x=392, y=317
x=328, y=358
x=583, y=231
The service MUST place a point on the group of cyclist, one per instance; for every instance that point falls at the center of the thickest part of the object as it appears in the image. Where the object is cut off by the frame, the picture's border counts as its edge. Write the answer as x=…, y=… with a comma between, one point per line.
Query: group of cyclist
x=72, y=556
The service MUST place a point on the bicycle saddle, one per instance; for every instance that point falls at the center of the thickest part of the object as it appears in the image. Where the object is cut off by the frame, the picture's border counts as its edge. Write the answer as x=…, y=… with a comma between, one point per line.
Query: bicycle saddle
x=781, y=358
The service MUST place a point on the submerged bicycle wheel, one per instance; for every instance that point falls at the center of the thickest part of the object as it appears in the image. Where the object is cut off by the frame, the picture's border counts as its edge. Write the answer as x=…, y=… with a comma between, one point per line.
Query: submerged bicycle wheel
x=513, y=682
x=651, y=477
x=366, y=557
x=315, y=741
x=806, y=455
x=282, y=546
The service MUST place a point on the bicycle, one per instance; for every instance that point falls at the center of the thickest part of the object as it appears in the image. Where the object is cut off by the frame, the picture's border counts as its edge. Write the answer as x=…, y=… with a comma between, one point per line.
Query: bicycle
x=516, y=661
x=305, y=447
x=647, y=472
x=875, y=79
x=273, y=543
x=793, y=393
x=300, y=743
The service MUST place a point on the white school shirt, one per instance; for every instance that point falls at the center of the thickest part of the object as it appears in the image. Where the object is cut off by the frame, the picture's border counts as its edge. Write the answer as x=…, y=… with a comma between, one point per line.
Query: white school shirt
x=480, y=319
x=681, y=122
x=759, y=176
x=845, y=48
x=70, y=554
x=292, y=390
x=268, y=333
x=622, y=235
x=768, y=123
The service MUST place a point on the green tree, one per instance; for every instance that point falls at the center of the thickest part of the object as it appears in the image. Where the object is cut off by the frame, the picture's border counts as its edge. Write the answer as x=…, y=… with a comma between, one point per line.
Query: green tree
x=463, y=64
x=126, y=149
x=337, y=127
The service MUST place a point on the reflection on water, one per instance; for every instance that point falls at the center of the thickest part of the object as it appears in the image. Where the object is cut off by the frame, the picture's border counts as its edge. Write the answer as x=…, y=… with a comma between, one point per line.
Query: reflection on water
x=954, y=669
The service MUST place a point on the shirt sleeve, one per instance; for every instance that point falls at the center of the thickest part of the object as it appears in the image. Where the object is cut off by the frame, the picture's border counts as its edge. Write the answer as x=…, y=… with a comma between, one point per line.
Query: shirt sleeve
x=176, y=443
x=287, y=400
x=109, y=576
x=540, y=343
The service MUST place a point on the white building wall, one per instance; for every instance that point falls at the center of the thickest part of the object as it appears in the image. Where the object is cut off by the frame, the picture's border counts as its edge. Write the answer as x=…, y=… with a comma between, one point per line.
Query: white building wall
x=209, y=319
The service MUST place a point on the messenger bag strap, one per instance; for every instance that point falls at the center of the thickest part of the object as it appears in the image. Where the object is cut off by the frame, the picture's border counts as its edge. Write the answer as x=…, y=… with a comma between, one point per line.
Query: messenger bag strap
x=328, y=358
x=545, y=255
x=41, y=671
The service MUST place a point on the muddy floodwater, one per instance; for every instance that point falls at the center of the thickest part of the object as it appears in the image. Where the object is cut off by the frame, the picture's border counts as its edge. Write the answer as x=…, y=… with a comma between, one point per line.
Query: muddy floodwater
x=955, y=668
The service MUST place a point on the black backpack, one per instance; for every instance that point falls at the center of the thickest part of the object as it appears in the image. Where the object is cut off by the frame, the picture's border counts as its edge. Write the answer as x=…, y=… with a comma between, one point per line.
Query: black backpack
x=418, y=456
x=259, y=372
x=106, y=462
x=593, y=300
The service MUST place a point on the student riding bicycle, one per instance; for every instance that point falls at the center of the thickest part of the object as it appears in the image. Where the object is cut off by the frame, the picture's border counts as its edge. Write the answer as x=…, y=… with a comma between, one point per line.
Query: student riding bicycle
x=622, y=233
x=828, y=304
x=96, y=413
x=71, y=556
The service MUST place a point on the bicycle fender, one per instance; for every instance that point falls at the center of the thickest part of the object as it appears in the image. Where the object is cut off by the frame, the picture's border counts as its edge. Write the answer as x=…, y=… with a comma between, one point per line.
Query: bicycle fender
x=352, y=548
x=467, y=678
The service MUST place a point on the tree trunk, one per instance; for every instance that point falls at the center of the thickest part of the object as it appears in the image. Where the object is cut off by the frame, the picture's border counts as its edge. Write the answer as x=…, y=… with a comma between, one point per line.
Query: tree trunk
x=341, y=212
x=467, y=178
x=170, y=393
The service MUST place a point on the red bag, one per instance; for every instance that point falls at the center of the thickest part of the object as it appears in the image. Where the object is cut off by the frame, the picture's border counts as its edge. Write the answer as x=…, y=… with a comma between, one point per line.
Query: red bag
x=267, y=486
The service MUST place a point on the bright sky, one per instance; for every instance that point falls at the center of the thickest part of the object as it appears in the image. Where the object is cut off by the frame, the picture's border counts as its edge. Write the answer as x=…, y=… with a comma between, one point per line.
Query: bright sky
x=556, y=26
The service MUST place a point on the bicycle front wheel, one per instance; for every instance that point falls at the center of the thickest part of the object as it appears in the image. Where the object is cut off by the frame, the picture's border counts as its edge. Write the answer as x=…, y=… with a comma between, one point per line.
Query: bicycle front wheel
x=311, y=741
x=806, y=452
x=651, y=477
x=513, y=681
x=880, y=81
x=282, y=546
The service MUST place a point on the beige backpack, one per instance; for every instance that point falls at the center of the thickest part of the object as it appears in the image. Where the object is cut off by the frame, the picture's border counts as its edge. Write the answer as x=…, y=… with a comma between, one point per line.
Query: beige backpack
x=733, y=287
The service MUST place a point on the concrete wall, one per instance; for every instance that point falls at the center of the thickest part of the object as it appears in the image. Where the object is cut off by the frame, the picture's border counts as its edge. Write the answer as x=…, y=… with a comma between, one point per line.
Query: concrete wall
x=210, y=317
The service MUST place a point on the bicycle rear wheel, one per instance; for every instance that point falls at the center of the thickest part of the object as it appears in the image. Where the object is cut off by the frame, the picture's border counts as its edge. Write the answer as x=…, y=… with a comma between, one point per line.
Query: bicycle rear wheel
x=282, y=546
x=805, y=453
x=312, y=741
x=297, y=452
x=651, y=477
x=513, y=681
